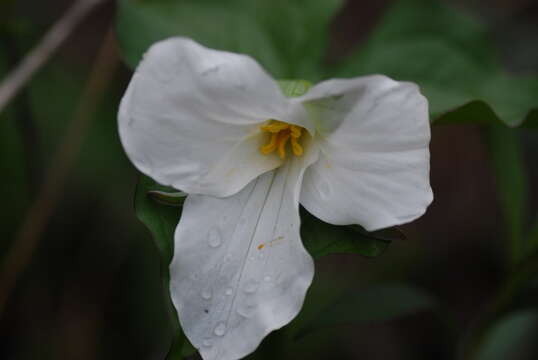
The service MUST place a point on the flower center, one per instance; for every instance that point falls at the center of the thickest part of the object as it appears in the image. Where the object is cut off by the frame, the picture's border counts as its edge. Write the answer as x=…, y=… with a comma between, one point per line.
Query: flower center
x=281, y=134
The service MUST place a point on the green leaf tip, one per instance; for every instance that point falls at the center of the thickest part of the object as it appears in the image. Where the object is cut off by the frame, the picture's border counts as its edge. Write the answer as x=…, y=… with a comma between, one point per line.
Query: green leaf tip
x=168, y=198
x=322, y=239
x=294, y=88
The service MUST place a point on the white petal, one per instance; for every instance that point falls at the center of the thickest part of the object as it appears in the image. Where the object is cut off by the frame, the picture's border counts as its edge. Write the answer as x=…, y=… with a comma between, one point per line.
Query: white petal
x=374, y=164
x=240, y=269
x=188, y=108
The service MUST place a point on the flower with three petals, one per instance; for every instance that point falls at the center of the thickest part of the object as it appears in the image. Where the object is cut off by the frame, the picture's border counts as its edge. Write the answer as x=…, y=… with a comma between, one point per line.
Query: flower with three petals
x=215, y=125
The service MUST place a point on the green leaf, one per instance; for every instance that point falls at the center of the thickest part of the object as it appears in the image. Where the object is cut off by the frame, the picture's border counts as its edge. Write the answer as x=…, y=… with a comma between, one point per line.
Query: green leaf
x=447, y=54
x=375, y=304
x=300, y=43
x=510, y=337
x=161, y=220
x=293, y=88
x=287, y=37
x=479, y=113
x=167, y=198
x=322, y=239
x=224, y=26
x=188, y=349
x=508, y=165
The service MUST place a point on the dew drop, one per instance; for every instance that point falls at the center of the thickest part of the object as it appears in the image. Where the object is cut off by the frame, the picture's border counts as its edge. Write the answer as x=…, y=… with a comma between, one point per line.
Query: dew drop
x=206, y=294
x=267, y=278
x=251, y=286
x=214, y=238
x=246, y=310
x=207, y=342
x=220, y=329
x=228, y=291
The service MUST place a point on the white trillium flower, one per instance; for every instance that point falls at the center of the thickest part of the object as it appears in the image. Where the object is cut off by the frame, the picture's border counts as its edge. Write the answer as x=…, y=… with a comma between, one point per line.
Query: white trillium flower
x=215, y=125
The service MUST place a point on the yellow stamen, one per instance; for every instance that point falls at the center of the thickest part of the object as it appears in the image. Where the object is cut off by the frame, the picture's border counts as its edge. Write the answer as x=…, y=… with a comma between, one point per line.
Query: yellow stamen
x=295, y=131
x=296, y=147
x=281, y=133
x=275, y=127
x=269, y=148
x=282, y=141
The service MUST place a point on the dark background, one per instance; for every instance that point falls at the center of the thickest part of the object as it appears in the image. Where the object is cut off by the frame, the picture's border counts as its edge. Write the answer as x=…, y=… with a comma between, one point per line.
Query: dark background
x=92, y=288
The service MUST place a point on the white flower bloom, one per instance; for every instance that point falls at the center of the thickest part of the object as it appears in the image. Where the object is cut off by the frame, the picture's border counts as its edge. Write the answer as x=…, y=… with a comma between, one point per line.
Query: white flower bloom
x=215, y=125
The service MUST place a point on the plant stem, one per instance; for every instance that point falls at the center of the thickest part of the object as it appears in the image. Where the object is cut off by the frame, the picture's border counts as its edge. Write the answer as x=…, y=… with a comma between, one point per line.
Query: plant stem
x=43, y=51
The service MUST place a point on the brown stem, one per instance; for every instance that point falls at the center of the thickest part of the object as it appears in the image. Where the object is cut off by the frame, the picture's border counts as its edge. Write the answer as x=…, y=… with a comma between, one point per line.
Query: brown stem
x=43, y=51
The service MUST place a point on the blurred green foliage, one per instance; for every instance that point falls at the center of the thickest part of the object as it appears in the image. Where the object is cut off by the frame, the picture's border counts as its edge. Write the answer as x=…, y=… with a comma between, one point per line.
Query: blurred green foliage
x=288, y=38
x=376, y=303
x=511, y=177
x=427, y=42
x=510, y=337
x=442, y=49
x=451, y=57
x=161, y=220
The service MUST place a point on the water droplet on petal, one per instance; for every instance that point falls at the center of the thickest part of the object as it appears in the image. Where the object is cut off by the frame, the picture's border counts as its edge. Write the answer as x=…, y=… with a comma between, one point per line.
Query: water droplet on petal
x=220, y=329
x=246, y=310
x=267, y=278
x=206, y=294
x=214, y=238
x=251, y=286
x=228, y=291
x=207, y=343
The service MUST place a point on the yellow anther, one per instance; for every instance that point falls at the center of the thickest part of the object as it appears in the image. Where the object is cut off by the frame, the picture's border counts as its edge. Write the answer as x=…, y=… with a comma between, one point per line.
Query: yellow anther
x=275, y=127
x=269, y=148
x=296, y=147
x=295, y=131
x=281, y=133
x=282, y=140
